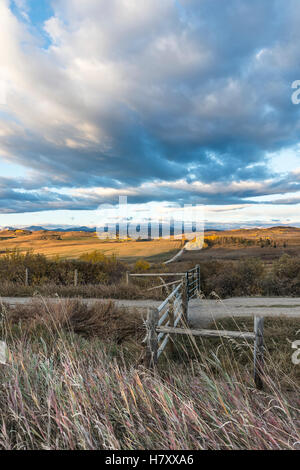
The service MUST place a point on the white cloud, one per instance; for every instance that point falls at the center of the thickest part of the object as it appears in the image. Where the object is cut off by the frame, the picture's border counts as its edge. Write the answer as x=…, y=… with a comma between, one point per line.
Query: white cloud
x=148, y=99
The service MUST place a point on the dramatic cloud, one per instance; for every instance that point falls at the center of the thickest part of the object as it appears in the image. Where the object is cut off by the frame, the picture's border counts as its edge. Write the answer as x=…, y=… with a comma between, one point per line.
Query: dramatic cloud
x=161, y=100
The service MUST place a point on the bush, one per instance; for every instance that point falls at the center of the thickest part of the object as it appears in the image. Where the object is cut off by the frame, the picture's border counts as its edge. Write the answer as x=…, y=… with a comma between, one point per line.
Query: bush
x=230, y=279
x=284, y=278
x=287, y=267
x=102, y=319
x=141, y=265
x=92, y=268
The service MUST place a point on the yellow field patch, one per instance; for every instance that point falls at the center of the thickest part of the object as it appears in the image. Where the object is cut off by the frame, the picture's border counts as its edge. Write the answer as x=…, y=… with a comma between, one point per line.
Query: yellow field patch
x=74, y=244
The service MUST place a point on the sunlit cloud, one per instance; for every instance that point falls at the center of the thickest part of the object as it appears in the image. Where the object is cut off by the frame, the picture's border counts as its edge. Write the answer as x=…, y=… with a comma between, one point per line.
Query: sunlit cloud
x=149, y=100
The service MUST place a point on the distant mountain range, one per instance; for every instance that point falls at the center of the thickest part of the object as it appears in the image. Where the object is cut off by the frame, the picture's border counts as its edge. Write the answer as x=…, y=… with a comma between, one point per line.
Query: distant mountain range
x=38, y=228
x=220, y=228
x=34, y=228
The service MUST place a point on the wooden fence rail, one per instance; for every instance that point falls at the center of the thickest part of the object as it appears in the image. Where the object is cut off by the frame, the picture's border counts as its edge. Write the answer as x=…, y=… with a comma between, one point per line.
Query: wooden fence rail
x=208, y=333
x=128, y=275
x=162, y=323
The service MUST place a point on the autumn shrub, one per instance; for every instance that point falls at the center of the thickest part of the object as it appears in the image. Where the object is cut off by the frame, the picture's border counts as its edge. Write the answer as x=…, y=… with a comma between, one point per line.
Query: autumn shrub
x=103, y=319
x=92, y=269
x=284, y=277
x=287, y=267
x=141, y=266
x=230, y=279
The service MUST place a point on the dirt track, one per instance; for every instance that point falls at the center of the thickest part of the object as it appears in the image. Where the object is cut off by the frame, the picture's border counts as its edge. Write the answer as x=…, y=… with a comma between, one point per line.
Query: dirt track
x=202, y=312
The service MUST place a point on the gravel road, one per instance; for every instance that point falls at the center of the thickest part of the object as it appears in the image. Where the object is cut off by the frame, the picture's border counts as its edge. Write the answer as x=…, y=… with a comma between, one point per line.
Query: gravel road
x=202, y=312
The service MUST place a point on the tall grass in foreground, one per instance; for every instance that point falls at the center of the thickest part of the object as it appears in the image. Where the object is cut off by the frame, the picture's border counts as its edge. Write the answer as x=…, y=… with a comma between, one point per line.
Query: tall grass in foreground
x=72, y=384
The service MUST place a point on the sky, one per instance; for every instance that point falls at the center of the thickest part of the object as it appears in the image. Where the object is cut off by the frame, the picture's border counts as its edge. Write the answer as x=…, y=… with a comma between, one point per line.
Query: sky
x=163, y=101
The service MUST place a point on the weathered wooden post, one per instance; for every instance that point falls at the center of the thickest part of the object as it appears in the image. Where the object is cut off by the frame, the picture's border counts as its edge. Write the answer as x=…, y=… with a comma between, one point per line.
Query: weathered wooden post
x=76, y=277
x=193, y=275
x=185, y=298
x=198, y=279
x=26, y=276
x=151, y=338
x=258, y=351
x=127, y=278
x=187, y=276
x=171, y=321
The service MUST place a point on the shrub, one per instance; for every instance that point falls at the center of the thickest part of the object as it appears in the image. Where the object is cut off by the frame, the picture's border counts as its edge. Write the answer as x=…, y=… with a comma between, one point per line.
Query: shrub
x=92, y=268
x=284, y=278
x=287, y=267
x=102, y=319
x=98, y=257
x=229, y=279
x=141, y=265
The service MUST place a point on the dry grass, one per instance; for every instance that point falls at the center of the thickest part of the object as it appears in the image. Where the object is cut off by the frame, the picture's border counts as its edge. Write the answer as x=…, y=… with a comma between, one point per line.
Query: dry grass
x=87, y=291
x=99, y=319
x=65, y=390
x=74, y=244
x=235, y=354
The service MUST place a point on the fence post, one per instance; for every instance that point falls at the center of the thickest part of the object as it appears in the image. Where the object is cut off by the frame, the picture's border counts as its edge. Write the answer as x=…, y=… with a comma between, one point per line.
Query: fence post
x=258, y=351
x=151, y=337
x=198, y=279
x=26, y=277
x=76, y=277
x=127, y=278
x=185, y=299
x=187, y=286
x=171, y=321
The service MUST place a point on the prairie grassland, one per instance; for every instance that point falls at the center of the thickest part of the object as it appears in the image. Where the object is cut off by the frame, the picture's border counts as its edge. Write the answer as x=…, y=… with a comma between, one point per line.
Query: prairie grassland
x=291, y=235
x=72, y=245
x=232, y=245
x=75, y=380
x=266, y=244
x=104, y=277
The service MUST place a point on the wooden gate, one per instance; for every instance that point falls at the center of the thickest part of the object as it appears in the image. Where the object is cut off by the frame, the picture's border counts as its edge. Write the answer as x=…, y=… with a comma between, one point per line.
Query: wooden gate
x=171, y=318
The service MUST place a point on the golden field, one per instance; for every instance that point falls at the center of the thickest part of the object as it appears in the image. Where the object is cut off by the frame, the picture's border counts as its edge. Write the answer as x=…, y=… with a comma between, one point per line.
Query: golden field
x=70, y=245
x=266, y=244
